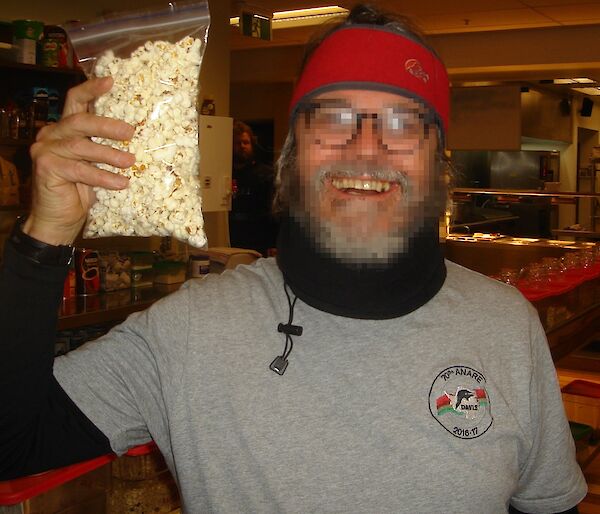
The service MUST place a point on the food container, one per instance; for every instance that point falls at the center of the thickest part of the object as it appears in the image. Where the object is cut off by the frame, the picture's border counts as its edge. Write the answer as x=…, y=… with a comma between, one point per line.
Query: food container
x=115, y=271
x=70, y=284
x=142, y=276
x=55, y=50
x=87, y=271
x=583, y=437
x=9, y=183
x=169, y=272
x=581, y=399
x=8, y=52
x=142, y=271
x=53, y=106
x=199, y=266
x=26, y=36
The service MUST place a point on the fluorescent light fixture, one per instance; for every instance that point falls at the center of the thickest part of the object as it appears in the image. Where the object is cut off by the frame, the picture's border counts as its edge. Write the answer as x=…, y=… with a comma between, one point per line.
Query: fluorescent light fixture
x=582, y=80
x=594, y=91
x=301, y=17
x=331, y=10
x=579, y=85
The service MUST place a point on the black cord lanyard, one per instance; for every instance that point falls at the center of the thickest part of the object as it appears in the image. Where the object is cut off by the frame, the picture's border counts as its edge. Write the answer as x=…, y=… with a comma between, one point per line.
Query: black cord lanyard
x=280, y=362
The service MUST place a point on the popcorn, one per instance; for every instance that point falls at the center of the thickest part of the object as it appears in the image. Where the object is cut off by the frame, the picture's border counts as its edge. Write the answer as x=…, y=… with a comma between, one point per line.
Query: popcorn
x=155, y=90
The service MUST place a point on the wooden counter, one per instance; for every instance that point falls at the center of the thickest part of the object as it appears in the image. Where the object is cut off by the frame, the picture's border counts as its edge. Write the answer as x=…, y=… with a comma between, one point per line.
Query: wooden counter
x=570, y=319
x=112, y=307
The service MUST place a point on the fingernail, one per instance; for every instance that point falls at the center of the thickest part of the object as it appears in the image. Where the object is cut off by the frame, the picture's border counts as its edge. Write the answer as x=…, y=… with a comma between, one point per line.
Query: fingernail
x=105, y=81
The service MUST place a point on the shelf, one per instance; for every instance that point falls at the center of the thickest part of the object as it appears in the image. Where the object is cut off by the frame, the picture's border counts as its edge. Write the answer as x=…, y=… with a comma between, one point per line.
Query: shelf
x=490, y=221
x=34, y=68
x=525, y=192
x=587, y=234
x=12, y=208
x=7, y=141
x=110, y=307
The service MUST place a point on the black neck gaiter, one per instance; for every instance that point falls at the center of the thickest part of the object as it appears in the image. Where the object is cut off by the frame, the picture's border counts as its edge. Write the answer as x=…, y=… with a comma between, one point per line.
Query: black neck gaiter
x=406, y=283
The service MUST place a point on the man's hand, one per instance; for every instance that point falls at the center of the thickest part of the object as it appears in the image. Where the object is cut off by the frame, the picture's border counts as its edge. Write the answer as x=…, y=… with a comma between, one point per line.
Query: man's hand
x=62, y=164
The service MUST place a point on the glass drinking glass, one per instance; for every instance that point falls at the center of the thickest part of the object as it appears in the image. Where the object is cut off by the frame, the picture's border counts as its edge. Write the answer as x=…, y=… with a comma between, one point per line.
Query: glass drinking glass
x=509, y=276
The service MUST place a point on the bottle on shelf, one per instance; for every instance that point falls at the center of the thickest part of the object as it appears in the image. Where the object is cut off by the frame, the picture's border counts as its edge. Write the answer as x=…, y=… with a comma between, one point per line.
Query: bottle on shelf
x=4, y=123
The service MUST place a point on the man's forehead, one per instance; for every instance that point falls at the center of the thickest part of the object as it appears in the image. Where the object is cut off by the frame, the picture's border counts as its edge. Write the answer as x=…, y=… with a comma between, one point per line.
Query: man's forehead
x=367, y=99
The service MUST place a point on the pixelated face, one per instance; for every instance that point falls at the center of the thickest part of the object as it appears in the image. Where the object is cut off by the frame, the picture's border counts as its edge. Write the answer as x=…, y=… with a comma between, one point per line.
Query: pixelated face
x=365, y=164
x=242, y=147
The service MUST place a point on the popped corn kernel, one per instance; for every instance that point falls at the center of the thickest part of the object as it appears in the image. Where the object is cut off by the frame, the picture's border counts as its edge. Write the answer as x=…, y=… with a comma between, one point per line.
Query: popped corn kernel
x=154, y=90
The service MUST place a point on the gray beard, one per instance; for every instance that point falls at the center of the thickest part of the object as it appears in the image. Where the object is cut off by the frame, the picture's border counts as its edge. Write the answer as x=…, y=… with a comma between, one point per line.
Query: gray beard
x=353, y=243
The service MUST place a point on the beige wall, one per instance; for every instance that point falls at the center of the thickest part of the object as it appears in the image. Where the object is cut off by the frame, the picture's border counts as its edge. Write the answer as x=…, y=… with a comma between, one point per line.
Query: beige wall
x=516, y=55
x=542, y=117
x=485, y=118
x=62, y=10
x=214, y=80
x=262, y=102
x=520, y=53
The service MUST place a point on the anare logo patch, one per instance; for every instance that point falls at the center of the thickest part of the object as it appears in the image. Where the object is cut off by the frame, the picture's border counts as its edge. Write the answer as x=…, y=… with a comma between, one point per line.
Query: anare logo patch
x=458, y=400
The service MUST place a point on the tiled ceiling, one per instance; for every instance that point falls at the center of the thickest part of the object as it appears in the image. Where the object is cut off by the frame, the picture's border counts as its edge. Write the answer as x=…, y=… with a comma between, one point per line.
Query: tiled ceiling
x=438, y=17
x=445, y=16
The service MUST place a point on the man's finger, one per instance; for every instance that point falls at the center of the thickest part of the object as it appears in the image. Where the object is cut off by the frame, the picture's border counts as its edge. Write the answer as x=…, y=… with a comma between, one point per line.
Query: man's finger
x=85, y=124
x=79, y=97
x=83, y=149
x=82, y=172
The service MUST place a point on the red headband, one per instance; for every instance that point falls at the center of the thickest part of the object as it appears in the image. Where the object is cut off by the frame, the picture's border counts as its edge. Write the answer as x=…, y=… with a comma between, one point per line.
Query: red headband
x=376, y=58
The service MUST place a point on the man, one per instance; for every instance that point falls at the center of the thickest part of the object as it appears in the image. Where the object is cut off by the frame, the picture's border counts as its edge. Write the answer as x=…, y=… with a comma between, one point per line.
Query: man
x=251, y=224
x=413, y=386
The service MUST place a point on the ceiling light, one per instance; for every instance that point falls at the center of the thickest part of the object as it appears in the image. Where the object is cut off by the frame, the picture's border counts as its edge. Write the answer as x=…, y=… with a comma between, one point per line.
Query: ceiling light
x=594, y=91
x=582, y=80
x=301, y=17
x=331, y=10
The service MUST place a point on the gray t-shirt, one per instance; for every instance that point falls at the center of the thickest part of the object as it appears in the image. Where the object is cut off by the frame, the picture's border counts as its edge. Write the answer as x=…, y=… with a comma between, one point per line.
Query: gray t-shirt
x=453, y=408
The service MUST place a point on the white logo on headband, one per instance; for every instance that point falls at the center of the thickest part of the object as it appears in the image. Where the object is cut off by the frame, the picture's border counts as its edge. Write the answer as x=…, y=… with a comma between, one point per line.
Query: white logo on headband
x=416, y=70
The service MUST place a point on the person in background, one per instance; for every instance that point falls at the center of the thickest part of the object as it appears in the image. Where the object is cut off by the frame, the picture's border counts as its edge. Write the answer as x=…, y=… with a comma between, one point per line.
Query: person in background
x=414, y=385
x=251, y=222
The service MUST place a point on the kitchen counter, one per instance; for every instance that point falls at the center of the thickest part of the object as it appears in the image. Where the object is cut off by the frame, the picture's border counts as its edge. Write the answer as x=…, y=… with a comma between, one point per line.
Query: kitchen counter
x=489, y=253
x=112, y=307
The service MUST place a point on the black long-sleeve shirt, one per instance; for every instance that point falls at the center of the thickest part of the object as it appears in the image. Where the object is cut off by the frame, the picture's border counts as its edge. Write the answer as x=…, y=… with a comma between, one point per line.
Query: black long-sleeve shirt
x=40, y=427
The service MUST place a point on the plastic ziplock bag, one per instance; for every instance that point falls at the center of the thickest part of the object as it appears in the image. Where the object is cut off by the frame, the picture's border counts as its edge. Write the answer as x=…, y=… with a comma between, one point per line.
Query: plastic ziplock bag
x=154, y=58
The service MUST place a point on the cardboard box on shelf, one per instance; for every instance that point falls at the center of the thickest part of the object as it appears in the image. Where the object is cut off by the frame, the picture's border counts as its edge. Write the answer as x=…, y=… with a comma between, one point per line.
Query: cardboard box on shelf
x=581, y=399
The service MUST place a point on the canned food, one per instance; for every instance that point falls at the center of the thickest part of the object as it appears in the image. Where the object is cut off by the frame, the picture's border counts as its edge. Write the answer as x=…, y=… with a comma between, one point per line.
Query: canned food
x=49, y=49
x=199, y=266
x=87, y=271
x=69, y=285
x=55, y=48
x=27, y=33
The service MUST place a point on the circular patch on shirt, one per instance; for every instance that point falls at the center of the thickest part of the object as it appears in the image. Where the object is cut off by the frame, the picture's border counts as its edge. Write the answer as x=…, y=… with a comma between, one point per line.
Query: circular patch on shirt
x=458, y=401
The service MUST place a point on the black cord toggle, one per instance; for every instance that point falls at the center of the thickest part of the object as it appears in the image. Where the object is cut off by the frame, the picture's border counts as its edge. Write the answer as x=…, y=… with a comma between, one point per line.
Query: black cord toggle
x=280, y=363
x=289, y=329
